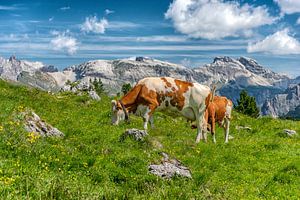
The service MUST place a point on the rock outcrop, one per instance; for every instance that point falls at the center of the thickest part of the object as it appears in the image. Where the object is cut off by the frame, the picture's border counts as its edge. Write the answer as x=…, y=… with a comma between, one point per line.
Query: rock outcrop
x=134, y=133
x=35, y=125
x=286, y=104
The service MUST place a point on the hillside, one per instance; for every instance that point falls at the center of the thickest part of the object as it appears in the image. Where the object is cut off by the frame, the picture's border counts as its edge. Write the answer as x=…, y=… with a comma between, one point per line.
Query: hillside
x=91, y=163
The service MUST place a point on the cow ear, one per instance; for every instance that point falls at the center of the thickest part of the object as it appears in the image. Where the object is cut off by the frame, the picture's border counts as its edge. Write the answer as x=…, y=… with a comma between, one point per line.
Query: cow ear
x=114, y=103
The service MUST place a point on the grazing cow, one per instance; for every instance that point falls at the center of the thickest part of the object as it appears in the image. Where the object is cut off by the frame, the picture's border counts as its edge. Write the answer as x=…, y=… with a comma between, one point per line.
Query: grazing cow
x=218, y=110
x=155, y=93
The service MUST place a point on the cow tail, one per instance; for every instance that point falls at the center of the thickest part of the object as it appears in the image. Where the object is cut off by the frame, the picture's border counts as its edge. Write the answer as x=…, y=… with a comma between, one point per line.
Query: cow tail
x=213, y=93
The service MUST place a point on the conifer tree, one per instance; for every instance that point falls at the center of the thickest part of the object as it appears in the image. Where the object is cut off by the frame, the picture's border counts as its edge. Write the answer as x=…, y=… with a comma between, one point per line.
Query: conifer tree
x=126, y=87
x=247, y=105
x=98, y=86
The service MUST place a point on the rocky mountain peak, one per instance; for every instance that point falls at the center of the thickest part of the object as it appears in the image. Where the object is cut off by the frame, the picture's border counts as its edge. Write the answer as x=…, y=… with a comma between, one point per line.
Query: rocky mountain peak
x=12, y=58
x=224, y=59
x=248, y=61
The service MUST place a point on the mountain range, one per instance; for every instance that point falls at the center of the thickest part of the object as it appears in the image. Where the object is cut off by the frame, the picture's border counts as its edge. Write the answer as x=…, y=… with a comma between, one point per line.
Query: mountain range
x=228, y=74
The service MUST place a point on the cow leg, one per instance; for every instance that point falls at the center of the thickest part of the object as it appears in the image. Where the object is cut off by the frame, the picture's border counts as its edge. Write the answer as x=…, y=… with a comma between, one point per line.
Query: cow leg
x=199, y=122
x=151, y=120
x=146, y=120
x=213, y=131
x=204, y=131
x=227, y=124
x=148, y=116
x=213, y=128
x=199, y=130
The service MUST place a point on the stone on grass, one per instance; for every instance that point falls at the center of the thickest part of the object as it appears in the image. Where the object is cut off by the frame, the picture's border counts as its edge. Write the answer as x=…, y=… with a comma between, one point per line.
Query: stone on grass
x=134, y=133
x=243, y=128
x=94, y=95
x=289, y=132
x=169, y=168
x=33, y=123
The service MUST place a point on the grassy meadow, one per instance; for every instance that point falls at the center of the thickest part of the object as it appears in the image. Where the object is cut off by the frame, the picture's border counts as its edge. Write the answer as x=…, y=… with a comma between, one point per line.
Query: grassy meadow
x=91, y=163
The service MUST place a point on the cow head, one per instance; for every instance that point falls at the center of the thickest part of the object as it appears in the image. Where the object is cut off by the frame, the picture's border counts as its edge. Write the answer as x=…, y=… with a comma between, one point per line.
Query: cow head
x=117, y=112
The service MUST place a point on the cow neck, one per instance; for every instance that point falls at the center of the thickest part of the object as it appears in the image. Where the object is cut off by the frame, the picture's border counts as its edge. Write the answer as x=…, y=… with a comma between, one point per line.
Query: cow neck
x=124, y=110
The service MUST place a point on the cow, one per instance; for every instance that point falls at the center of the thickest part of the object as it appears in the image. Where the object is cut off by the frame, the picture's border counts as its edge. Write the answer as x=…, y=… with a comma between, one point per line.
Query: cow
x=163, y=93
x=218, y=110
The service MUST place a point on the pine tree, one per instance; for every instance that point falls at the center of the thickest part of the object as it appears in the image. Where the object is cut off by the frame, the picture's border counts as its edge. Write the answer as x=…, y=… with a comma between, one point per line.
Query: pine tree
x=126, y=87
x=98, y=86
x=247, y=105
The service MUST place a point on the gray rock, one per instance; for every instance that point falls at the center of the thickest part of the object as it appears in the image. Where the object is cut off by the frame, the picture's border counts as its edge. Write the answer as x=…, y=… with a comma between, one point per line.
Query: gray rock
x=289, y=132
x=66, y=88
x=94, y=95
x=136, y=134
x=33, y=123
x=243, y=128
x=169, y=168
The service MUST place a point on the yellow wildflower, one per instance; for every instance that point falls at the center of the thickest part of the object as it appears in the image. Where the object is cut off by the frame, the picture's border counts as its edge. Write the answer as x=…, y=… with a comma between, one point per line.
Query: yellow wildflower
x=32, y=137
x=85, y=165
x=7, y=180
x=1, y=128
x=20, y=108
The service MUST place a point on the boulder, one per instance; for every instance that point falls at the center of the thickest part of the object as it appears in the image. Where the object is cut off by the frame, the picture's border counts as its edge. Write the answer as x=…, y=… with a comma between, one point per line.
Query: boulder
x=289, y=132
x=243, y=128
x=136, y=134
x=169, y=168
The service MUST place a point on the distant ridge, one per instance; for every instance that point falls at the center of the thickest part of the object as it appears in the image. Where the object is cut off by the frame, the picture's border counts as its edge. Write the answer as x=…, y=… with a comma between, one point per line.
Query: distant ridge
x=230, y=74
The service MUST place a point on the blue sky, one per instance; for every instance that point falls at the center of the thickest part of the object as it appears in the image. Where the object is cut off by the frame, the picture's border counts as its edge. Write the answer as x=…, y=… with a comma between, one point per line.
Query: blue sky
x=189, y=32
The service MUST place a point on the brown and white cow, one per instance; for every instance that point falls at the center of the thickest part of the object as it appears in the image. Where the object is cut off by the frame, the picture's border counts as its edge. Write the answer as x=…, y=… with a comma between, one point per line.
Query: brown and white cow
x=218, y=110
x=155, y=93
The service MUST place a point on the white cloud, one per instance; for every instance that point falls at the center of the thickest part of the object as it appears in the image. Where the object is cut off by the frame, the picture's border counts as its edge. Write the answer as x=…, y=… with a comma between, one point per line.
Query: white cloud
x=65, y=8
x=122, y=25
x=107, y=11
x=298, y=21
x=51, y=19
x=215, y=19
x=62, y=42
x=92, y=24
x=97, y=47
x=288, y=6
x=280, y=43
x=10, y=8
x=161, y=38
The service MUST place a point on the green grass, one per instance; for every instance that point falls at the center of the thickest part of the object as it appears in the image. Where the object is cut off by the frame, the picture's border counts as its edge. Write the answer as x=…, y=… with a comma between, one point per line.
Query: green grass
x=91, y=163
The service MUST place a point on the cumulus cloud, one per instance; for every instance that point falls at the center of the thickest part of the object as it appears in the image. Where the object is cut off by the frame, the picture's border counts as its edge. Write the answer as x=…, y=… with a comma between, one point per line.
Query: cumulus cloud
x=92, y=24
x=280, y=43
x=288, y=6
x=63, y=42
x=215, y=19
